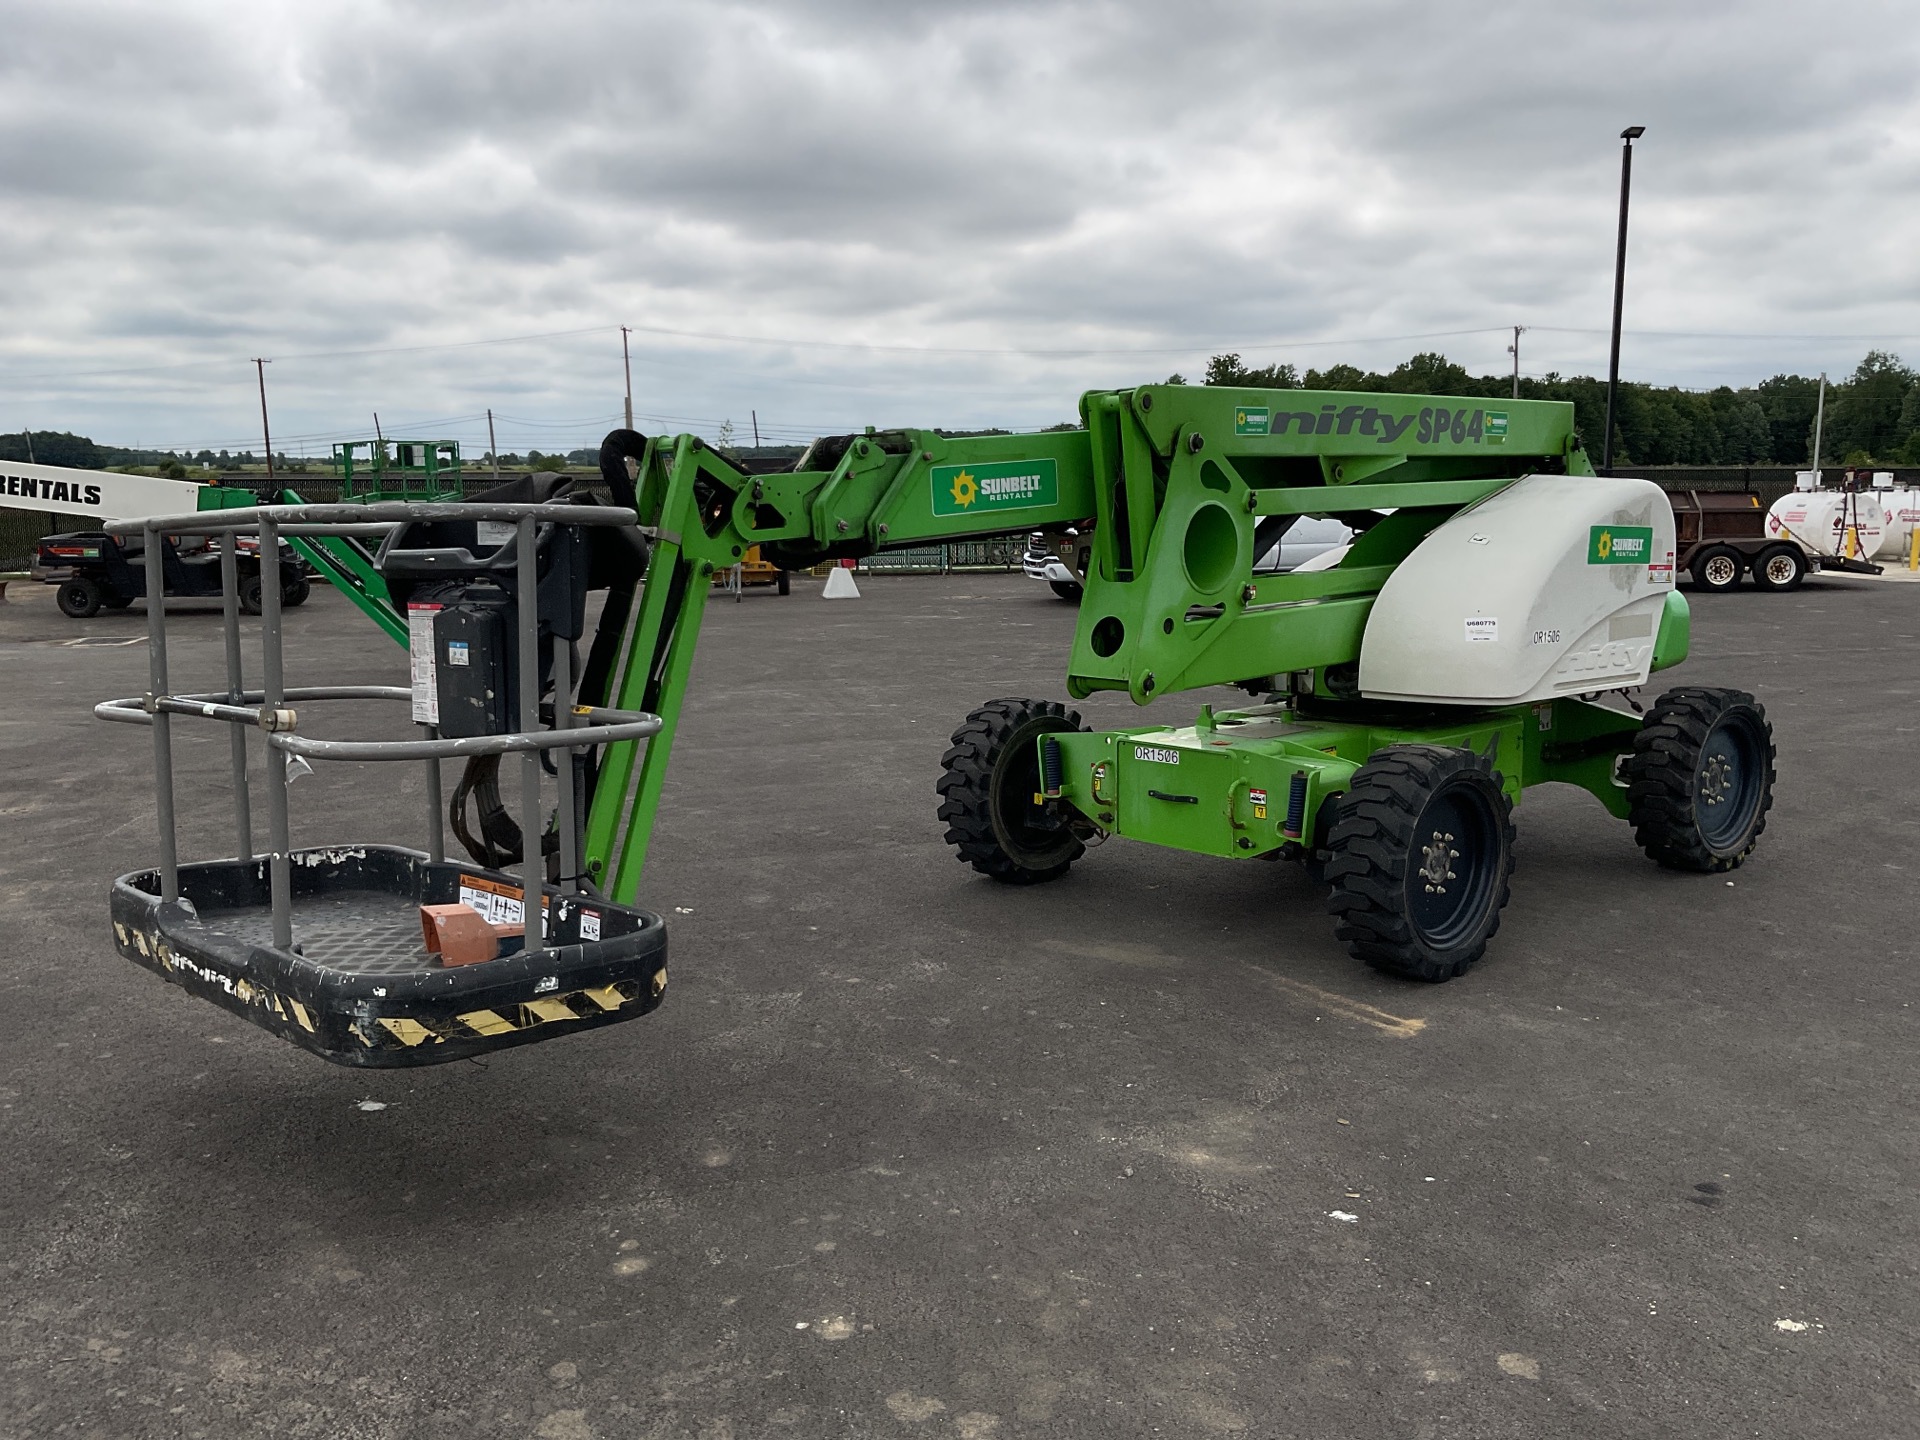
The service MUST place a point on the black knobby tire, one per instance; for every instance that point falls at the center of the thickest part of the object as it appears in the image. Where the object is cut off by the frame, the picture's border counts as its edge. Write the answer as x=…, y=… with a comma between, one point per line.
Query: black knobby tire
x=1422, y=859
x=987, y=784
x=1067, y=589
x=295, y=592
x=1717, y=568
x=251, y=594
x=1700, y=779
x=79, y=598
x=784, y=584
x=1780, y=569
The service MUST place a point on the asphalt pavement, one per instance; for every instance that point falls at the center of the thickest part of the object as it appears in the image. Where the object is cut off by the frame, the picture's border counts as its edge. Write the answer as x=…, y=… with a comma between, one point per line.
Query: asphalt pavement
x=908, y=1153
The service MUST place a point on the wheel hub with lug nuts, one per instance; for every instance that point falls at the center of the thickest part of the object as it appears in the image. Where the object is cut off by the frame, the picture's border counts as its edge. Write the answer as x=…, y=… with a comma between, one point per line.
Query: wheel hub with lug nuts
x=1716, y=779
x=1438, y=856
x=1720, y=570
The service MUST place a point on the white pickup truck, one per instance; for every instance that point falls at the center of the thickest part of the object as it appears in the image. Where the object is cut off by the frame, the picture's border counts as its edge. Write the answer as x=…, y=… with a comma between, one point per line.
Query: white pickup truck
x=1059, y=559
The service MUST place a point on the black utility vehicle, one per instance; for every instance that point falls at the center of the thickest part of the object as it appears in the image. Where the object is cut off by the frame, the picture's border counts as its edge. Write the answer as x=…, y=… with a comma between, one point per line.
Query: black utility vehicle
x=97, y=571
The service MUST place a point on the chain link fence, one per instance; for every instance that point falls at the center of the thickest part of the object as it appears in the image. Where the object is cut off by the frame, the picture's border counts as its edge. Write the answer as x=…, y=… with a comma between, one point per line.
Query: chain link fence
x=1003, y=554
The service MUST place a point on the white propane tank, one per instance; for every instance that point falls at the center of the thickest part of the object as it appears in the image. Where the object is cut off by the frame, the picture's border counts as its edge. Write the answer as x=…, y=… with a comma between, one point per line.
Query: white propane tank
x=1555, y=586
x=1819, y=521
x=1902, y=512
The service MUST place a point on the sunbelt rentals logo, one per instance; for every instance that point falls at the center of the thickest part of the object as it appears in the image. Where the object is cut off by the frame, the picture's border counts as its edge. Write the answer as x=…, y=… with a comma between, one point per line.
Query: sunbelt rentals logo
x=998, y=485
x=1620, y=545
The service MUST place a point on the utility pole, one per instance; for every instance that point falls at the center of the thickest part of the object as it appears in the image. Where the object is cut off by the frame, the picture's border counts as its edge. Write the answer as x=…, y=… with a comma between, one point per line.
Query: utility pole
x=493, y=446
x=1515, y=348
x=756, y=427
x=626, y=363
x=1627, y=137
x=29, y=435
x=1819, y=414
x=260, y=369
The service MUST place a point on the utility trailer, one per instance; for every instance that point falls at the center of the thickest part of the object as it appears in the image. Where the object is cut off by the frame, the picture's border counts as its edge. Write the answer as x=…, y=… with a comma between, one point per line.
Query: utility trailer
x=1398, y=704
x=1723, y=535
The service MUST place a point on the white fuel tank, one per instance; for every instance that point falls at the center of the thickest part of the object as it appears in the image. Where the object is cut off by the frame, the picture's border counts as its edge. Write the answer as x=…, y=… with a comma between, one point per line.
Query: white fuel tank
x=1819, y=519
x=1902, y=512
x=1555, y=586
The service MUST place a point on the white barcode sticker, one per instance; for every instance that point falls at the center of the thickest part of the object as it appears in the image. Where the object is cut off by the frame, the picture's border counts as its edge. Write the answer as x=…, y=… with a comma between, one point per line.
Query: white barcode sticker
x=426, y=690
x=1482, y=627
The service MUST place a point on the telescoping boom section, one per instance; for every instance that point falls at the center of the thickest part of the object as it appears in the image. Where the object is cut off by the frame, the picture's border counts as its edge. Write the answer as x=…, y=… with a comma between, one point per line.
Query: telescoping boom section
x=1495, y=589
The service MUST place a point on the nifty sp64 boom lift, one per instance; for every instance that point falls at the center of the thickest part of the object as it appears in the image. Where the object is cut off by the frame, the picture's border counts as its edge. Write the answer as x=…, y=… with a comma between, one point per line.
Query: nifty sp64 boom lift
x=1399, y=702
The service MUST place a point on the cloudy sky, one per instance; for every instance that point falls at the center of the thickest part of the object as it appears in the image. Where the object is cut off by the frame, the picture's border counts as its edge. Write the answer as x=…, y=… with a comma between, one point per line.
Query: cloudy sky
x=837, y=212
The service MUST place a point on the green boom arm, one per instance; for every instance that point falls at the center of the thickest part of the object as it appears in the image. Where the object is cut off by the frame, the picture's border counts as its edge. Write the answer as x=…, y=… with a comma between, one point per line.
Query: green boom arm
x=1187, y=487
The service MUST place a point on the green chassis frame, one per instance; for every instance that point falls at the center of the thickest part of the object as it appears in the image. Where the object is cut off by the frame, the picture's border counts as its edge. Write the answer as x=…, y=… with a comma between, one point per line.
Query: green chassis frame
x=1176, y=480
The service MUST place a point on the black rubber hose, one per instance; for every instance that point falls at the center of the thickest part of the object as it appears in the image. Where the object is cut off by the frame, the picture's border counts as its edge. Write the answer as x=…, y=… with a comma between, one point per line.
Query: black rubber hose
x=619, y=447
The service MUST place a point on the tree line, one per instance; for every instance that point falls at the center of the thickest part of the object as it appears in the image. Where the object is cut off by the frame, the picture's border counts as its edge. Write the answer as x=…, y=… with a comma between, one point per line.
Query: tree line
x=1872, y=417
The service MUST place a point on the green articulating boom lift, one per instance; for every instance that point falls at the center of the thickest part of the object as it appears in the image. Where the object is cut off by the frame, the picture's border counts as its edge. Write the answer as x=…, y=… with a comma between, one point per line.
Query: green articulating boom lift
x=1402, y=694
x=1400, y=701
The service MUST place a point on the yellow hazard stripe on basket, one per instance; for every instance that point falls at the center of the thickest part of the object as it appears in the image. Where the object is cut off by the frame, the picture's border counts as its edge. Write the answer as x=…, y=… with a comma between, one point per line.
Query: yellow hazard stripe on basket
x=506, y=1019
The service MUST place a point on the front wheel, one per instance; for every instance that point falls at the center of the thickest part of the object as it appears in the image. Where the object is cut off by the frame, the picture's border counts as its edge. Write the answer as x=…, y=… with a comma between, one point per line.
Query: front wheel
x=79, y=598
x=251, y=593
x=988, y=784
x=1067, y=589
x=1700, y=779
x=1781, y=568
x=1718, y=569
x=1422, y=849
x=295, y=592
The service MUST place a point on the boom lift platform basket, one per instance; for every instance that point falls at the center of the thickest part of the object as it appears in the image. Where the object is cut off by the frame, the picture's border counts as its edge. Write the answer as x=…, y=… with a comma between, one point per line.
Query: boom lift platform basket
x=330, y=948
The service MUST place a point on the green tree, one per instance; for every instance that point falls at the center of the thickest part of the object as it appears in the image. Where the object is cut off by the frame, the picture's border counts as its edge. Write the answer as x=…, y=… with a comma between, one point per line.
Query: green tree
x=53, y=447
x=1430, y=373
x=1229, y=370
x=1788, y=402
x=1864, y=413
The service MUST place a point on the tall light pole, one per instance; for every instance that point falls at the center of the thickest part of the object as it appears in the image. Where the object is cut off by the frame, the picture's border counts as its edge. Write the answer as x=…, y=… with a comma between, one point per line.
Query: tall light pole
x=626, y=362
x=260, y=368
x=1627, y=137
x=1514, y=348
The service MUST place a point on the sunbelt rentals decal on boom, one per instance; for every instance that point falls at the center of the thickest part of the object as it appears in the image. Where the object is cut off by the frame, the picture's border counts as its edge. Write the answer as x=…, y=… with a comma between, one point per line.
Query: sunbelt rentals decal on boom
x=1000, y=485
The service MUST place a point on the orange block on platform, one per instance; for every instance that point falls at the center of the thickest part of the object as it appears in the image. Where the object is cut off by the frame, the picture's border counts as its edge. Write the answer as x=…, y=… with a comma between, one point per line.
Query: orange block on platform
x=460, y=935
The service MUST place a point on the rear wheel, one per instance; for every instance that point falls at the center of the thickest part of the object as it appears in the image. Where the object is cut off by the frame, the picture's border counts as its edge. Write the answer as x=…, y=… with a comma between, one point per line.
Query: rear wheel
x=987, y=785
x=1422, y=854
x=1700, y=779
x=784, y=585
x=1717, y=568
x=1067, y=589
x=1781, y=568
x=79, y=598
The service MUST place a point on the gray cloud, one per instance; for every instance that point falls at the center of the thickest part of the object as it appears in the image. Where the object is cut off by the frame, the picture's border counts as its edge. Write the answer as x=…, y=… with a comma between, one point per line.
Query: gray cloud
x=192, y=184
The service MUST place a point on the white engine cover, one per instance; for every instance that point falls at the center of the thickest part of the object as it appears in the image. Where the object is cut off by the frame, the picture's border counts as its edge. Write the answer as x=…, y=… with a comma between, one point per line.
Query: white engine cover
x=1555, y=586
